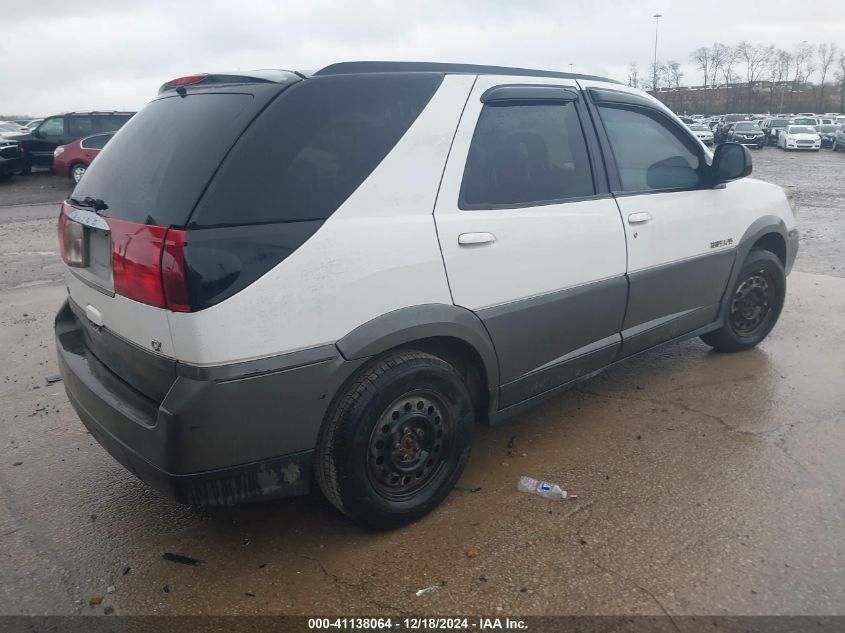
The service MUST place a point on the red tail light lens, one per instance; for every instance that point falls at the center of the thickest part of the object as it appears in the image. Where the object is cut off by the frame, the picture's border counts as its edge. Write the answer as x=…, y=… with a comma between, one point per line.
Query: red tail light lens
x=186, y=81
x=60, y=229
x=136, y=257
x=148, y=264
x=173, y=271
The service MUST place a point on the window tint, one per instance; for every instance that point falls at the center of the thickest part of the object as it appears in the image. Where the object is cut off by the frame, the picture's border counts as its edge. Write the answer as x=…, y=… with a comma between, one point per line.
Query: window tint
x=651, y=153
x=155, y=170
x=523, y=154
x=96, y=142
x=52, y=127
x=312, y=147
x=111, y=123
x=79, y=126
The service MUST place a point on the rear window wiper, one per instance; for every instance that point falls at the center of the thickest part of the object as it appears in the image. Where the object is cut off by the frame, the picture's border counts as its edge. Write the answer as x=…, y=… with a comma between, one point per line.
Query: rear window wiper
x=97, y=204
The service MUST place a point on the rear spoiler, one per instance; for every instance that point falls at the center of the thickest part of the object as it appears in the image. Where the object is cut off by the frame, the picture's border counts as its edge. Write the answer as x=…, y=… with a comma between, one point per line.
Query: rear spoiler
x=251, y=77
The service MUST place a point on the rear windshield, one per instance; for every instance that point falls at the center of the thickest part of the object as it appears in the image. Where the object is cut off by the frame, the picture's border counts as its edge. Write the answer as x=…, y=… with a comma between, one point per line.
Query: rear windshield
x=312, y=147
x=779, y=123
x=156, y=167
x=828, y=128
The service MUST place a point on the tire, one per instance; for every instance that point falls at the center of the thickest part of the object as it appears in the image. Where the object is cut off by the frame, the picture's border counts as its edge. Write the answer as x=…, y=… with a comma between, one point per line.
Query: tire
x=76, y=171
x=756, y=300
x=395, y=440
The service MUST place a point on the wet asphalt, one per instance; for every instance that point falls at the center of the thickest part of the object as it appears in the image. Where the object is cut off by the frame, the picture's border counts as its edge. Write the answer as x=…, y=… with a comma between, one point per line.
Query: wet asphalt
x=708, y=483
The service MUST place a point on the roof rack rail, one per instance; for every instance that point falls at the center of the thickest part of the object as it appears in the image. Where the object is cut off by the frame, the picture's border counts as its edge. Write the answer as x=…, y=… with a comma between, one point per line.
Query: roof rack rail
x=348, y=68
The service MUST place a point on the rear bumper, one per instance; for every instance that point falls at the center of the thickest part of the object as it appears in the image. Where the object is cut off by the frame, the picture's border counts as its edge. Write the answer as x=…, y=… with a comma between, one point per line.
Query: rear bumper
x=221, y=436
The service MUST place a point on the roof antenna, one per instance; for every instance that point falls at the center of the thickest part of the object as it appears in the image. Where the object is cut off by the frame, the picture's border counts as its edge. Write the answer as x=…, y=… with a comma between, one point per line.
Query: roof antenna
x=181, y=91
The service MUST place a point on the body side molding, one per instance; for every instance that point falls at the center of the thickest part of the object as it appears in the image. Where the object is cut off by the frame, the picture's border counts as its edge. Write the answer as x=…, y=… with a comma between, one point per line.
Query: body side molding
x=420, y=322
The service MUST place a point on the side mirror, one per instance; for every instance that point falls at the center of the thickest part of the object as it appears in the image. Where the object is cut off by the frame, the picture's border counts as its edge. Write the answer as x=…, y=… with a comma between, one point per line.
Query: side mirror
x=730, y=161
x=35, y=133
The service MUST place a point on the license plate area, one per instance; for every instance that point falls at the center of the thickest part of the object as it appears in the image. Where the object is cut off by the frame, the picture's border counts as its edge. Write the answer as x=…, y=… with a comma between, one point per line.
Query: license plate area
x=88, y=249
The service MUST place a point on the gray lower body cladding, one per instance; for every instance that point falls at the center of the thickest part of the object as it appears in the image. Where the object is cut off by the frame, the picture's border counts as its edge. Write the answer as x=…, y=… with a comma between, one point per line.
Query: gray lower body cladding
x=220, y=435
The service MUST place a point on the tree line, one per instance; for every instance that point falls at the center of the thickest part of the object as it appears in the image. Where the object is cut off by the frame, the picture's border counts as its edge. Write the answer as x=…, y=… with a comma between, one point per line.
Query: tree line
x=817, y=69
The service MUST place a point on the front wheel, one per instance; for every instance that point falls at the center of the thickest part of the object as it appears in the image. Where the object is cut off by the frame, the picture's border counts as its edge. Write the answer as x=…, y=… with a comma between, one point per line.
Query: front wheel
x=756, y=301
x=395, y=440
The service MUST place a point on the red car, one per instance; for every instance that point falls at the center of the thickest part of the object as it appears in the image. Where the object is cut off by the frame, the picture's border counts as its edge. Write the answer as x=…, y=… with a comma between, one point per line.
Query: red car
x=73, y=159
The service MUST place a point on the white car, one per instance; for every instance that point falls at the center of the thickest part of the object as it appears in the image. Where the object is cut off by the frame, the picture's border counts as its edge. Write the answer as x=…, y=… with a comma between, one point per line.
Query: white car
x=799, y=137
x=702, y=132
x=10, y=129
x=360, y=264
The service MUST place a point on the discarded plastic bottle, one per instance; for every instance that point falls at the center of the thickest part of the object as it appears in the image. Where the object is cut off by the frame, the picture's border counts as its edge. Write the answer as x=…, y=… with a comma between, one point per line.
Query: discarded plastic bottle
x=543, y=489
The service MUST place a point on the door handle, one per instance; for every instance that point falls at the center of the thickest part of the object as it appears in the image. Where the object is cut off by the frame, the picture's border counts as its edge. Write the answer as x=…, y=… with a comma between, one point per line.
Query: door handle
x=470, y=239
x=639, y=218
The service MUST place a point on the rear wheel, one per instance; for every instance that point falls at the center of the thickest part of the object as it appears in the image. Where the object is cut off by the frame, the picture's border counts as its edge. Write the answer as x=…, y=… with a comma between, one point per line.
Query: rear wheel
x=396, y=440
x=756, y=301
x=77, y=171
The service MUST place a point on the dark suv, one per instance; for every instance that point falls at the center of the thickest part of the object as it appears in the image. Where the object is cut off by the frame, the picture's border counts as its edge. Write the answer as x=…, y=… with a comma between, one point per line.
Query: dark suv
x=62, y=129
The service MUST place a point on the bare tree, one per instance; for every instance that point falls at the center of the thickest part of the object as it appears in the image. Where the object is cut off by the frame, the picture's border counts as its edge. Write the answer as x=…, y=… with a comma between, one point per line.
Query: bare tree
x=802, y=67
x=673, y=74
x=729, y=60
x=633, y=75
x=827, y=53
x=778, y=71
x=755, y=57
x=718, y=54
x=658, y=72
x=840, y=76
x=702, y=58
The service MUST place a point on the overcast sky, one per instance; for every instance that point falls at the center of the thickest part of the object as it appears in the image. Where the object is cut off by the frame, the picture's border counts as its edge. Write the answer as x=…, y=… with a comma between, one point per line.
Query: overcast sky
x=57, y=55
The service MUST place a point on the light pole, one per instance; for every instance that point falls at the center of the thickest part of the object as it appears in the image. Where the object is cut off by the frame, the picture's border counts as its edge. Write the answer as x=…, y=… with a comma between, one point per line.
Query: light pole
x=656, y=17
x=570, y=67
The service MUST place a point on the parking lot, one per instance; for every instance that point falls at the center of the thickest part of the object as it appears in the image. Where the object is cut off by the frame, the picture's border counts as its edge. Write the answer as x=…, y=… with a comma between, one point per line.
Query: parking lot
x=707, y=483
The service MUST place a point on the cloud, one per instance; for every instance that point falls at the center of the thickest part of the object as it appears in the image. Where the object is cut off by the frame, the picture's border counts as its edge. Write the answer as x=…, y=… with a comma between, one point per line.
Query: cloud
x=114, y=54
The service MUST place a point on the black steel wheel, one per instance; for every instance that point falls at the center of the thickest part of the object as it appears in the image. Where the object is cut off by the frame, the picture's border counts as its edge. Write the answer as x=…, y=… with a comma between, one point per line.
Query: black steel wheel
x=750, y=305
x=396, y=439
x=755, y=302
x=408, y=443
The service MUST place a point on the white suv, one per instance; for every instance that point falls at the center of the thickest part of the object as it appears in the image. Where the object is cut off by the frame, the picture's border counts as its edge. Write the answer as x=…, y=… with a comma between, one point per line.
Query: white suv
x=277, y=274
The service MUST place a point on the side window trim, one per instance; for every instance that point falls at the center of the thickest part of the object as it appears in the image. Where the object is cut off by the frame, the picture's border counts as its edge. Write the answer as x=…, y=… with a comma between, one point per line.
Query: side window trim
x=597, y=170
x=529, y=93
x=635, y=103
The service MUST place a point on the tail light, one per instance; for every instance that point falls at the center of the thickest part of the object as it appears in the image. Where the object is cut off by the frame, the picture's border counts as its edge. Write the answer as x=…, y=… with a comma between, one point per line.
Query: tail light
x=148, y=262
x=188, y=80
x=73, y=241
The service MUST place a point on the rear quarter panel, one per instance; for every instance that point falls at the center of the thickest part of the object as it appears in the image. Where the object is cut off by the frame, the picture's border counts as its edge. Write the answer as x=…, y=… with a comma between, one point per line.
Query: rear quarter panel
x=377, y=253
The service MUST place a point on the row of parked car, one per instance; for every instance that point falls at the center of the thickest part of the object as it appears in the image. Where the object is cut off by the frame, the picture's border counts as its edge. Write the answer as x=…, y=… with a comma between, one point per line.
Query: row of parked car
x=787, y=131
x=67, y=143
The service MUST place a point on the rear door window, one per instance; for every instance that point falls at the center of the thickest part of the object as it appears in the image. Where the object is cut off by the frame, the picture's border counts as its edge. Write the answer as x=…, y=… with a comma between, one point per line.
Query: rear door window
x=523, y=155
x=156, y=168
x=79, y=126
x=313, y=147
x=651, y=153
x=96, y=142
x=111, y=123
